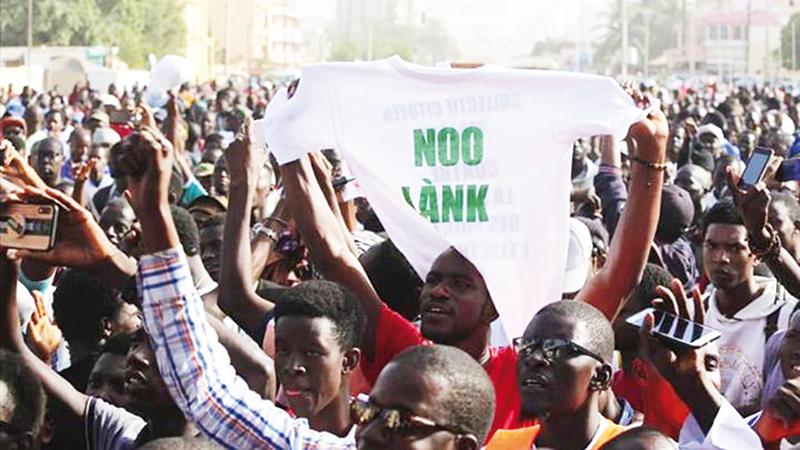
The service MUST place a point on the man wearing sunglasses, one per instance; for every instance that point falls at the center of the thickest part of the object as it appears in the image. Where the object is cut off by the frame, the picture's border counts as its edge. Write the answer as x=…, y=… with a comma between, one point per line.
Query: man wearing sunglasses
x=563, y=368
x=427, y=398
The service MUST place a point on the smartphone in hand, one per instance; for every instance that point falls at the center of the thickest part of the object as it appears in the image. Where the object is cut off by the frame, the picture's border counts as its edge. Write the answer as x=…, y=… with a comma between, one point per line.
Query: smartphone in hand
x=676, y=330
x=756, y=167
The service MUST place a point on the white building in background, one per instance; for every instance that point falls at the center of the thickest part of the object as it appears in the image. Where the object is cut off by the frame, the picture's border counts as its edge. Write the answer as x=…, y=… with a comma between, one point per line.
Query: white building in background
x=733, y=38
x=255, y=36
x=284, y=38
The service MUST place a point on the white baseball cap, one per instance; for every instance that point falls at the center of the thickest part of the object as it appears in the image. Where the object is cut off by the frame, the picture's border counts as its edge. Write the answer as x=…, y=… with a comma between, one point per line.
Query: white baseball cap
x=105, y=136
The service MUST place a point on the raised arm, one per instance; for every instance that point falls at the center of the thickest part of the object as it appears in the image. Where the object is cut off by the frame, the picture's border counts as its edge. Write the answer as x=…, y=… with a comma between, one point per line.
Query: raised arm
x=237, y=296
x=608, y=183
x=11, y=338
x=636, y=229
x=753, y=205
x=195, y=367
x=322, y=233
x=80, y=243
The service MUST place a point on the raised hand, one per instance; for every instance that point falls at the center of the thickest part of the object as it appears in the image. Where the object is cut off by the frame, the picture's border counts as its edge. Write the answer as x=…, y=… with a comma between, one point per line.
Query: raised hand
x=685, y=368
x=147, y=163
x=81, y=172
x=43, y=335
x=79, y=240
x=15, y=168
x=674, y=364
x=243, y=158
x=752, y=202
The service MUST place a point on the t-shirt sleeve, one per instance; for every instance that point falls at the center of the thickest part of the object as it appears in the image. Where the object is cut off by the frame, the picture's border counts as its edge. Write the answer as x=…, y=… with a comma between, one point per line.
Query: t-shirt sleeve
x=303, y=123
x=393, y=335
x=110, y=427
x=593, y=105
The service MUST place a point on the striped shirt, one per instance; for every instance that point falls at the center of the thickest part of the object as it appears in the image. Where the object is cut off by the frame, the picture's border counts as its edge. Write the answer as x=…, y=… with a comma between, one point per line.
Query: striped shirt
x=198, y=373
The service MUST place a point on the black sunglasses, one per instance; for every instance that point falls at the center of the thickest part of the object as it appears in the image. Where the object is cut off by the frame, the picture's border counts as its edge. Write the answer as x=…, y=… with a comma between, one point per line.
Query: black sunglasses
x=363, y=412
x=552, y=349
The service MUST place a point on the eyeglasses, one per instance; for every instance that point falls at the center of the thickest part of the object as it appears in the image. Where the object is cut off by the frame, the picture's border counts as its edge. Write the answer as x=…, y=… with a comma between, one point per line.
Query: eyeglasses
x=552, y=349
x=9, y=428
x=363, y=412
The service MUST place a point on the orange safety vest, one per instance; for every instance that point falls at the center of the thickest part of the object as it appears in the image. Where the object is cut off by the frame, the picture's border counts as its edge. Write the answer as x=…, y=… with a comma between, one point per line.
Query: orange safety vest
x=524, y=438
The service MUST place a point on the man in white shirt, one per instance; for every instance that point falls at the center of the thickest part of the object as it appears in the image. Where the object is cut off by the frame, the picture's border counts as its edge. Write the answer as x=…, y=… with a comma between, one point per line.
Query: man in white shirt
x=747, y=309
x=102, y=140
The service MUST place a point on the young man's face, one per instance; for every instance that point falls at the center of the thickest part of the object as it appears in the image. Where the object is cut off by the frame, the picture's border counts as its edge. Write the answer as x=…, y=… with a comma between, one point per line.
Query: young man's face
x=47, y=162
x=560, y=384
x=143, y=382
x=211, y=249
x=107, y=380
x=727, y=259
x=407, y=389
x=453, y=300
x=790, y=350
x=309, y=362
x=78, y=147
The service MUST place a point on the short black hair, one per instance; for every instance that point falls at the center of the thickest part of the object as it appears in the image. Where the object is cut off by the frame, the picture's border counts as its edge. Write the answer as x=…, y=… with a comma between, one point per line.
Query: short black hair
x=640, y=438
x=217, y=220
x=79, y=302
x=788, y=199
x=392, y=276
x=652, y=277
x=601, y=338
x=118, y=344
x=180, y=443
x=187, y=230
x=468, y=399
x=25, y=392
x=724, y=212
x=325, y=299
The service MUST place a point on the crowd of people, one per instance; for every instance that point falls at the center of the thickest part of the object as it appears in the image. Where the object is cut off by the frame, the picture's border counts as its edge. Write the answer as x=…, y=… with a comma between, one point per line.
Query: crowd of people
x=199, y=295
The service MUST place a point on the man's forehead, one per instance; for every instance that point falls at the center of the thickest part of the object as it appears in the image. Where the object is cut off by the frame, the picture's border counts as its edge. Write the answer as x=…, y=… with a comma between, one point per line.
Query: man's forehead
x=553, y=325
x=726, y=232
x=451, y=262
x=404, y=387
x=109, y=363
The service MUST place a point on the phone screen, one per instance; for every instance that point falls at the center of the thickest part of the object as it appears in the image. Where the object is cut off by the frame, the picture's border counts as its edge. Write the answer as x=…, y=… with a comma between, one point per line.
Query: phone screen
x=675, y=328
x=755, y=167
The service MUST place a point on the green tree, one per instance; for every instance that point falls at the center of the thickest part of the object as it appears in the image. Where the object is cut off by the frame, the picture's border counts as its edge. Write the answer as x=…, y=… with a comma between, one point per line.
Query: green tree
x=137, y=27
x=652, y=29
x=786, y=42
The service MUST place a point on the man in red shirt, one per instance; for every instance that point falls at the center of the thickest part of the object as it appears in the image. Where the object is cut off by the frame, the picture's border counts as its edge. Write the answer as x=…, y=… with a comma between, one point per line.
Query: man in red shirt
x=455, y=305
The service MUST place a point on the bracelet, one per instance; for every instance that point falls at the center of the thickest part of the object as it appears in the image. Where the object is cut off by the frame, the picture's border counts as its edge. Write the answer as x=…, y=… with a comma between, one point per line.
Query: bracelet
x=278, y=220
x=260, y=228
x=652, y=165
x=772, y=249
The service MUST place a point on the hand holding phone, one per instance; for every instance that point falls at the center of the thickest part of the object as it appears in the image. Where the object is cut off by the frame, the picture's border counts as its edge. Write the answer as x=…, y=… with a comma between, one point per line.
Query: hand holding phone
x=675, y=330
x=756, y=167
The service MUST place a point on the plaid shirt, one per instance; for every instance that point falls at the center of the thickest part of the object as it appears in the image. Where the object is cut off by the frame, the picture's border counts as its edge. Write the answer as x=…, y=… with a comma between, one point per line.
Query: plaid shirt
x=198, y=373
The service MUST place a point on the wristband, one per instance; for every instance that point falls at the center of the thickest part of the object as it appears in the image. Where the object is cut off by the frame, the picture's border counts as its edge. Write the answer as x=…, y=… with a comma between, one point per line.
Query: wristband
x=771, y=250
x=652, y=165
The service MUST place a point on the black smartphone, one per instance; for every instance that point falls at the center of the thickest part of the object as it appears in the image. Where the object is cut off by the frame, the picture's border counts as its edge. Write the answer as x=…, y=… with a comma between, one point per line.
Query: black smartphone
x=676, y=330
x=756, y=167
x=789, y=170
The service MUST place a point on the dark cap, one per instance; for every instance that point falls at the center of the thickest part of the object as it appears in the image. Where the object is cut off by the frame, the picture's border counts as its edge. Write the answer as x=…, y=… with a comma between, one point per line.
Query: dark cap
x=677, y=212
